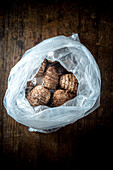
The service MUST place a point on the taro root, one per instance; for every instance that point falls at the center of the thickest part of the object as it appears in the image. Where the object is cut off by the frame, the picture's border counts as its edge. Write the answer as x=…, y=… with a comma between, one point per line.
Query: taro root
x=42, y=68
x=39, y=96
x=28, y=88
x=60, y=97
x=69, y=82
x=51, y=78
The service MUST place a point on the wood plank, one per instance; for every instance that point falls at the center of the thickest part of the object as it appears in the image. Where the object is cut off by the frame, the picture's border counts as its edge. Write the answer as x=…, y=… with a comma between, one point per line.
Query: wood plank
x=68, y=17
x=8, y=133
x=105, y=61
x=1, y=85
x=88, y=31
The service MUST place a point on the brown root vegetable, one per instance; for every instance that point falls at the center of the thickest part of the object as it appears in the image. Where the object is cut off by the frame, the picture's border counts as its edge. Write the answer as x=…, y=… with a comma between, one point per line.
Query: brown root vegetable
x=69, y=82
x=28, y=88
x=51, y=78
x=39, y=96
x=42, y=68
x=60, y=97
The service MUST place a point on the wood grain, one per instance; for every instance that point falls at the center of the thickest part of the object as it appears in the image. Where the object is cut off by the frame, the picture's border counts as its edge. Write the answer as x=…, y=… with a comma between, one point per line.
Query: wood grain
x=87, y=143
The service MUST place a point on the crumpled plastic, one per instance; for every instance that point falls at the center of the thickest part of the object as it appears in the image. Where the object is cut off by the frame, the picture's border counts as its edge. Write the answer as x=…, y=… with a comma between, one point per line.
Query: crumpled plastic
x=73, y=56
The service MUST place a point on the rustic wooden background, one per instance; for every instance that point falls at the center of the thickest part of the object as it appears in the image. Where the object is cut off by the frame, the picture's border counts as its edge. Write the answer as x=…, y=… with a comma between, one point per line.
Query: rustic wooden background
x=86, y=144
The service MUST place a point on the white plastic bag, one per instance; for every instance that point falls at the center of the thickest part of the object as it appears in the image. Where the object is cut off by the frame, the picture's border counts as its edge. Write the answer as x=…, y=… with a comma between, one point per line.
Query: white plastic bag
x=73, y=56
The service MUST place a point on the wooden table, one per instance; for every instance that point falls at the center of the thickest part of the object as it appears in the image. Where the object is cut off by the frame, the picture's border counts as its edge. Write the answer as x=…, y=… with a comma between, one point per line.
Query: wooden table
x=87, y=143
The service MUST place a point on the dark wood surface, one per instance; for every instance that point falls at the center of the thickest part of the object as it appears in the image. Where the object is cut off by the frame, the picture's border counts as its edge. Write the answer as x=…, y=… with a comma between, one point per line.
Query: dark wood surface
x=86, y=144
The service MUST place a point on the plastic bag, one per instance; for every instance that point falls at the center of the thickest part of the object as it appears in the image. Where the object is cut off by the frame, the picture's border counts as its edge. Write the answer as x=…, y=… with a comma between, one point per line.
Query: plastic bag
x=75, y=58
